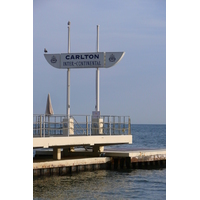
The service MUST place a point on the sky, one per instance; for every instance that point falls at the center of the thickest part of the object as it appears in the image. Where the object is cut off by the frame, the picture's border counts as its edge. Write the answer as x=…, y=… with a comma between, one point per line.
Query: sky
x=135, y=87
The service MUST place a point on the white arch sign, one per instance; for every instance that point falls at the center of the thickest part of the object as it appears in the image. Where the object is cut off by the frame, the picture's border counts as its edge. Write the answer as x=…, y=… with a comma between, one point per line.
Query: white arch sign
x=84, y=60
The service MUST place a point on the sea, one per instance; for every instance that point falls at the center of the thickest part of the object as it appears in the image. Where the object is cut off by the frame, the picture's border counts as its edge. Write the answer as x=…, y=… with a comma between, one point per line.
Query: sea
x=112, y=184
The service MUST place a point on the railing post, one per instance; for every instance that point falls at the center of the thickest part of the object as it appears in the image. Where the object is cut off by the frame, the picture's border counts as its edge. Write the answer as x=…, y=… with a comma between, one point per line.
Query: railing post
x=44, y=127
x=36, y=125
x=40, y=125
x=55, y=132
x=60, y=125
x=48, y=126
x=129, y=126
x=86, y=125
x=124, y=126
x=103, y=125
x=109, y=121
x=68, y=125
x=90, y=126
x=119, y=125
x=113, y=125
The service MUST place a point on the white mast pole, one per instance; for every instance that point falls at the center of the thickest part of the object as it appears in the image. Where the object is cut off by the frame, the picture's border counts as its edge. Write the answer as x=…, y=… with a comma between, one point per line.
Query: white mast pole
x=97, y=74
x=68, y=76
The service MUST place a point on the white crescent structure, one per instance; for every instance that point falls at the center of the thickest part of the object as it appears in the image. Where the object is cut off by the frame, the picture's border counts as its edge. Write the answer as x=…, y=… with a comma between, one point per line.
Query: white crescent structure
x=84, y=60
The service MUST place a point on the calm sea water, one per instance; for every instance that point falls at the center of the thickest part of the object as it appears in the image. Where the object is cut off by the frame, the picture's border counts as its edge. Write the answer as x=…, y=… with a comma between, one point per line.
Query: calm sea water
x=106, y=184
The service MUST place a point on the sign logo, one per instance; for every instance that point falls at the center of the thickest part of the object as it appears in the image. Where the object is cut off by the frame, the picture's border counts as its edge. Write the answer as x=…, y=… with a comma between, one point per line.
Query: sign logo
x=112, y=58
x=53, y=59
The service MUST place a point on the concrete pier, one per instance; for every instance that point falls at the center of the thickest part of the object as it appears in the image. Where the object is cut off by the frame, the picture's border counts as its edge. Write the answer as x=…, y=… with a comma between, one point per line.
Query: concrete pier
x=139, y=155
x=82, y=147
x=66, y=166
x=138, y=158
x=112, y=160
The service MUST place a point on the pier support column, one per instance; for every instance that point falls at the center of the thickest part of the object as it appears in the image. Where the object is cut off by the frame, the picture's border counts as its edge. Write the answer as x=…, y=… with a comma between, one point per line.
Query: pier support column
x=98, y=149
x=56, y=153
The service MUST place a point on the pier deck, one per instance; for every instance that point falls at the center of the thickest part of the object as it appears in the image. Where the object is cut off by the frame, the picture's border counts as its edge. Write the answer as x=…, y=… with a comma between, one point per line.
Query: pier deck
x=71, y=141
x=138, y=155
x=121, y=159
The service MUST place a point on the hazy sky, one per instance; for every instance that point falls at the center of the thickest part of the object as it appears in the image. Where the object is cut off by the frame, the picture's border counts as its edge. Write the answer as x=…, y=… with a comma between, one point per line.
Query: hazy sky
x=136, y=86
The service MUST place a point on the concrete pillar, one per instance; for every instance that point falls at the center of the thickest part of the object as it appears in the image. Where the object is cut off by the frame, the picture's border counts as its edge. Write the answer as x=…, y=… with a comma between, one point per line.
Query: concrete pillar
x=65, y=127
x=56, y=153
x=97, y=126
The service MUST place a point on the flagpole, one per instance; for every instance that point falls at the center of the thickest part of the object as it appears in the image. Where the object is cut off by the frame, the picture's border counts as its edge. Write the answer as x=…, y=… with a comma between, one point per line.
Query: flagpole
x=97, y=74
x=68, y=76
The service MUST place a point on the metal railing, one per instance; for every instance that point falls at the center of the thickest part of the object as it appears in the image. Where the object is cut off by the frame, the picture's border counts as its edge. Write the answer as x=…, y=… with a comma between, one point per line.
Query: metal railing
x=77, y=125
